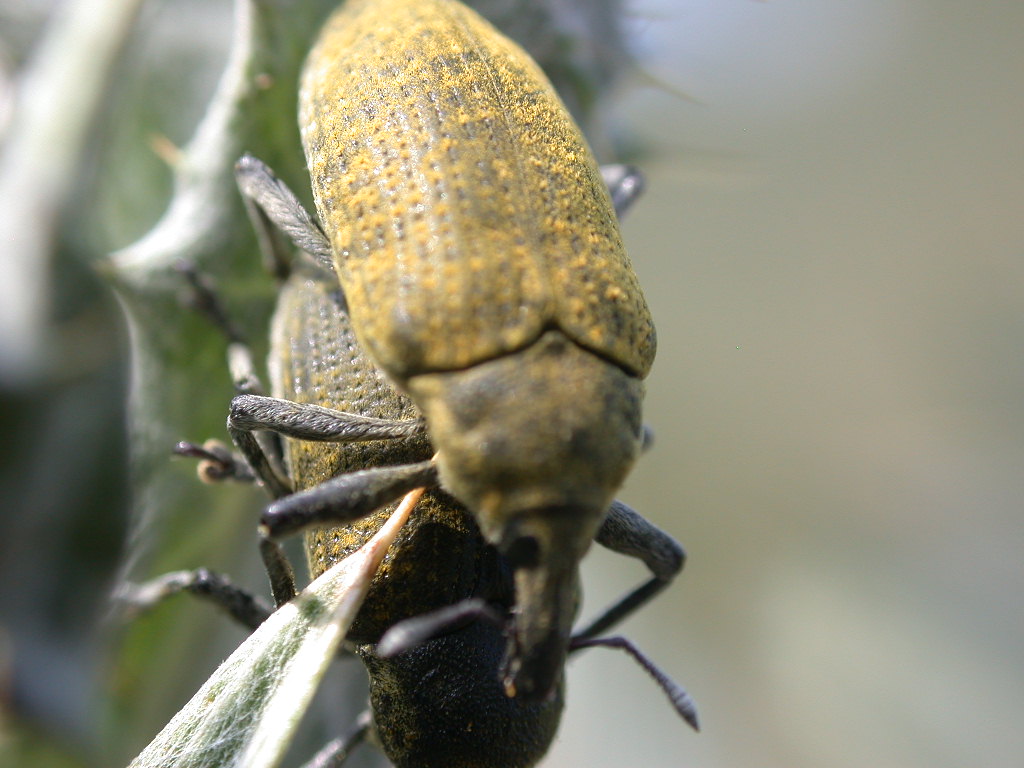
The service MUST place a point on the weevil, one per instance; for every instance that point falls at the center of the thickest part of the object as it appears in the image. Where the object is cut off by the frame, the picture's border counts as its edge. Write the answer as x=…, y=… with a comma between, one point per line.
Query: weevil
x=440, y=702
x=479, y=254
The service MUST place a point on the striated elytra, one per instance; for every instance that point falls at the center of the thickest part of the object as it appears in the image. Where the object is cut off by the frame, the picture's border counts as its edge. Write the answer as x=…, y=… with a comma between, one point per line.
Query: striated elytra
x=464, y=208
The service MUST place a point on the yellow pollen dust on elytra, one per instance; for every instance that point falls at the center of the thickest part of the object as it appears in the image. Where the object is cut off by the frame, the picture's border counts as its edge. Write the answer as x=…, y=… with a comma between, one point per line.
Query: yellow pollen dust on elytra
x=614, y=293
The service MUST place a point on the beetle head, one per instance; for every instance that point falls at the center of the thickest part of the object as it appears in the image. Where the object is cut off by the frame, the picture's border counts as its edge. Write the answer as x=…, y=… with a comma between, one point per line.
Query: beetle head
x=536, y=444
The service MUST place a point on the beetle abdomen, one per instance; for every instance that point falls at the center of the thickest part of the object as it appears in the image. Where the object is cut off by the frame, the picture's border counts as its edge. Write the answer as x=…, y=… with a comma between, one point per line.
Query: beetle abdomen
x=474, y=724
x=463, y=205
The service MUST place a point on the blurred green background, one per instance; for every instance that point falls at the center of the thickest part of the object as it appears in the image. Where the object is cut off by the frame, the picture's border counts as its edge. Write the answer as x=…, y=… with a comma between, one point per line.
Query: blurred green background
x=831, y=243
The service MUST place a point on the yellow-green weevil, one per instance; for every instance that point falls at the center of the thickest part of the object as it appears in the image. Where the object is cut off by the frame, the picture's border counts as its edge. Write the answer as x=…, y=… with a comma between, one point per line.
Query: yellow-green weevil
x=481, y=262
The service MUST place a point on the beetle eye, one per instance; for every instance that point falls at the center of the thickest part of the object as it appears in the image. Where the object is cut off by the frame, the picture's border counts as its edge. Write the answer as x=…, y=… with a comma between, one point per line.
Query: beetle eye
x=523, y=552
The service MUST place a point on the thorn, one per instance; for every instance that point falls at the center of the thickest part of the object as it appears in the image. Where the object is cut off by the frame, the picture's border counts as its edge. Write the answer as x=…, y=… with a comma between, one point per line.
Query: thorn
x=165, y=149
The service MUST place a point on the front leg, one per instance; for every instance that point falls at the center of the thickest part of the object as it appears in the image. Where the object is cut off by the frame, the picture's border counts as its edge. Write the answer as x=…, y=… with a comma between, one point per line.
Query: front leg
x=625, y=185
x=267, y=196
x=251, y=414
x=625, y=531
x=242, y=606
x=345, y=498
x=342, y=499
x=306, y=421
x=628, y=533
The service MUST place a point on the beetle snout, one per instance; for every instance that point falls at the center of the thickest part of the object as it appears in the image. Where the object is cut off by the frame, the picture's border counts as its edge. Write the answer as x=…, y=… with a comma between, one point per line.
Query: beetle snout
x=522, y=552
x=543, y=549
x=533, y=674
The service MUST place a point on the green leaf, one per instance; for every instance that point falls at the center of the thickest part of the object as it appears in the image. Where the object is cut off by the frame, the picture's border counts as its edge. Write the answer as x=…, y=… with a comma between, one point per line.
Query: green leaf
x=246, y=713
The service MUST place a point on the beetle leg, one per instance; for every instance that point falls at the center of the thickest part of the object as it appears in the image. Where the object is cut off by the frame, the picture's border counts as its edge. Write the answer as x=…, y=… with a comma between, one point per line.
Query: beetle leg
x=262, y=190
x=242, y=606
x=681, y=700
x=273, y=481
x=345, y=498
x=411, y=633
x=306, y=421
x=336, y=752
x=625, y=184
x=240, y=360
x=646, y=438
x=279, y=571
x=274, y=246
x=216, y=462
x=205, y=300
x=626, y=532
x=251, y=414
